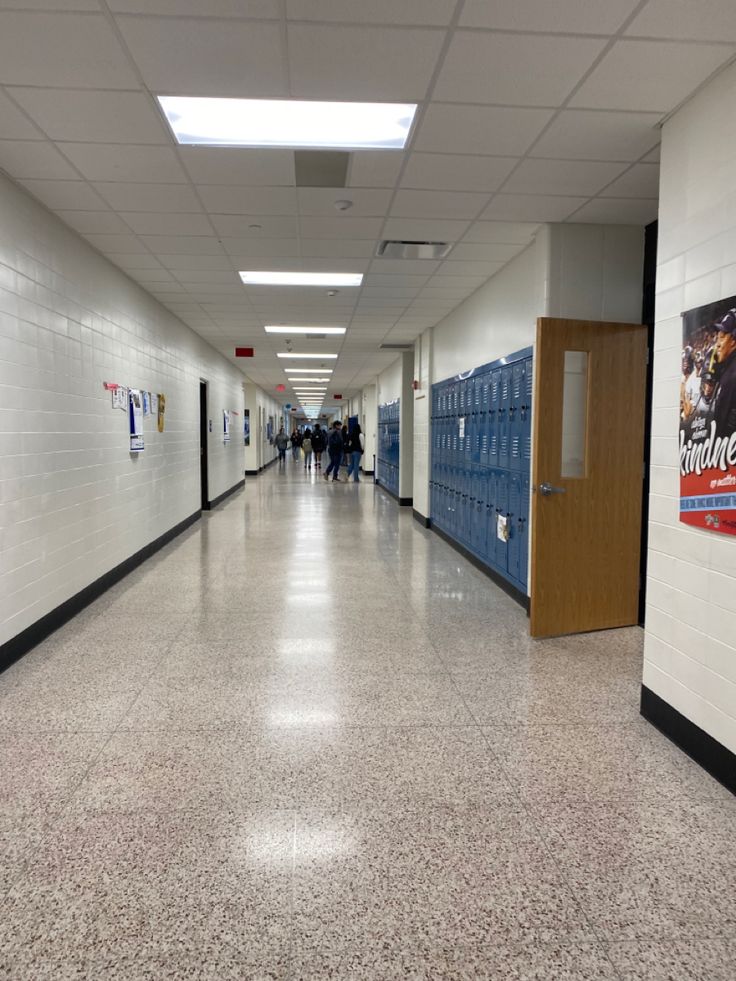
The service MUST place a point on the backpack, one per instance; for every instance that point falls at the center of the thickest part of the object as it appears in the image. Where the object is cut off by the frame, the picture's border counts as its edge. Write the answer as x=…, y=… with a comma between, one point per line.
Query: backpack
x=335, y=441
x=307, y=445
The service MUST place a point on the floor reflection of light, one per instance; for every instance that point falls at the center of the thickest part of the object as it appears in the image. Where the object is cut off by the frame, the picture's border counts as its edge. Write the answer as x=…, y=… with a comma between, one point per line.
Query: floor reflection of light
x=285, y=718
x=313, y=599
x=324, y=842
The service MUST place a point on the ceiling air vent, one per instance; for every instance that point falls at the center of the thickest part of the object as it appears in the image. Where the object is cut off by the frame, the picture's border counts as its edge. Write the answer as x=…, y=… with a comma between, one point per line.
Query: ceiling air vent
x=396, y=347
x=394, y=249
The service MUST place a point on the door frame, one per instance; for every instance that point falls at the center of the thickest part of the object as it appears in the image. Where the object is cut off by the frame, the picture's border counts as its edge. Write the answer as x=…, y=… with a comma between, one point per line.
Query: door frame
x=203, y=447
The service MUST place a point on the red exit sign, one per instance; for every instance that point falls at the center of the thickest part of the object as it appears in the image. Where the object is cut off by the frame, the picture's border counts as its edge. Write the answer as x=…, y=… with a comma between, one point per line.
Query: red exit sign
x=243, y=352
x=336, y=396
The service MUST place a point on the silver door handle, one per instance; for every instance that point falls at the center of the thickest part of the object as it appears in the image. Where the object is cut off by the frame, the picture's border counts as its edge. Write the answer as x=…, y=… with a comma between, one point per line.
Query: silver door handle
x=546, y=489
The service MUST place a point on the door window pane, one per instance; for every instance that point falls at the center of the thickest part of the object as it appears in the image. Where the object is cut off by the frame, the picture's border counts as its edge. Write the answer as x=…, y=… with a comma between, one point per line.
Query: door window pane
x=574, y=414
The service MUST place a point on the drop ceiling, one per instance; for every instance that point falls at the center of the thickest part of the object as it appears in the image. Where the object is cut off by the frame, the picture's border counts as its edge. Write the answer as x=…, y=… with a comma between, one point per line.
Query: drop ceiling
x=530, y=111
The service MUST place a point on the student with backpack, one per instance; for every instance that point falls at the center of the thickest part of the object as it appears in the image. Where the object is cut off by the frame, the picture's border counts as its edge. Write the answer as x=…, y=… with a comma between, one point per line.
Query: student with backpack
x=319, y=444
x=307, y=448
x=335, y=449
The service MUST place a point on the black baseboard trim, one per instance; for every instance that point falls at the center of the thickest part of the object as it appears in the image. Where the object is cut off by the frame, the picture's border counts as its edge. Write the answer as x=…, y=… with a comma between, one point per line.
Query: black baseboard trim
x=699, y=746
x=269, y=464
x=369, y=473
x=424, y=522
x=221, y=497
x=403, y=502
x=251, y=473
x=12, y=650
x=516, y=594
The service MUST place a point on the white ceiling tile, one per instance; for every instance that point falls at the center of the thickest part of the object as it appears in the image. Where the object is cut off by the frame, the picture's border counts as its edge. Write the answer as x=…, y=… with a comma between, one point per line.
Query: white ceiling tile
x=239, y=165
x=580, y=134
x=489, y=252
x=562, y=16
x=468, y=283
x=13, y=124
x=425, y=229
x=514, y=69
x=437, y=204
x=374, y=168
x=321, y=201
x=411, y=282
x=532, y=207
x=480, y=129
x=66, y=195
x=686, y=20
x=188, y=56
x=642, y=181
x=190, y=276
x=371, y=63
x=352, y=228
x=149, y=197
x=580, y=177
x=62, y=49
x=31, y=159
x=618, y=211
x=444, y=292
x=467, y=267
x=649, y=76
x=195, y=8
x=115, y=243
x=429, y=12
x=184, y=262
x=153, y=223
x=104, y=222
x=453, y=172
x=243, y=226
x=234, y=200
x=325, y=247
x=501, y=231
x=243, y=249
x=132, y=262
x=187, y=244
x=153, y=276
x=398, y=292
x=397, y=267
x=142, y=164
x=93, y=117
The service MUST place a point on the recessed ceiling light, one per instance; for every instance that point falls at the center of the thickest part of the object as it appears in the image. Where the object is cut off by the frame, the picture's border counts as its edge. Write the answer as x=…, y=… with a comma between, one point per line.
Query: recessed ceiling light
x=308, y=371
x=304, y=330
x=259, y=277
x=288, y=122
x=308, y=380
x=290, y=354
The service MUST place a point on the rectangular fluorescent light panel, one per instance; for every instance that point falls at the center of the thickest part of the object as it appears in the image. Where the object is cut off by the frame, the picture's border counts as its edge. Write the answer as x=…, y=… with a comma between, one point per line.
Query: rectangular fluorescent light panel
x=198, y=121
x=309, y=381
x=259, y=277
x=308, y=371
x=289, y=354
x=305, y=330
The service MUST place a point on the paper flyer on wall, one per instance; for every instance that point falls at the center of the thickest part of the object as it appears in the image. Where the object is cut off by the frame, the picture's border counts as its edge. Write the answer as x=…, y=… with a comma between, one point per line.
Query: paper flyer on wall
x=226, y=426
x=708, y=417
x=135, y=416
x=246, y=427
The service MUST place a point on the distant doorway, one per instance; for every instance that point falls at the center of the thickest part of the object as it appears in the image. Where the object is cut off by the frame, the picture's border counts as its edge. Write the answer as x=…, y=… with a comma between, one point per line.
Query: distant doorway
x=203, y=427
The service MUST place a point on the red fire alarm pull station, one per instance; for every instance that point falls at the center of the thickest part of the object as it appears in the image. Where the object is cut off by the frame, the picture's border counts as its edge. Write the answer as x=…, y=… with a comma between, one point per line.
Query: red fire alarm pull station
x=336, y=396
x=243, y=352
x=281, y=388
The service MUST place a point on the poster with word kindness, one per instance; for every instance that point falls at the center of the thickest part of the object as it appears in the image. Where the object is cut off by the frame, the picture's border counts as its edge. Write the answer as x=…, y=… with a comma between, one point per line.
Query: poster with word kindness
x=708, y=417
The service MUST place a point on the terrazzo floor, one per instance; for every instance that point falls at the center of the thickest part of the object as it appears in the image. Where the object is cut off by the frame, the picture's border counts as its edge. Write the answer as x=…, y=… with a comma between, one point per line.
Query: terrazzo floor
x=307, y=740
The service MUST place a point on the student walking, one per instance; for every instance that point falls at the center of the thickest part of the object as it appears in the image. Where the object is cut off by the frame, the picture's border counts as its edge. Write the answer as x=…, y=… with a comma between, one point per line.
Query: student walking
x=281, y=441
x=334, y=448
x=319, y=444
x=355, y=449
x=307, y=448
x=296, y=442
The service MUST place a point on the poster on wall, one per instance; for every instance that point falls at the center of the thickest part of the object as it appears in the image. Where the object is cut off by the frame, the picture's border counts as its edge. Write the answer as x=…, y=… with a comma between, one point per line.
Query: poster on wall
x=246, y=427
x=135, y=417
x=160, y=411
x=708, y=417
x=226, y=426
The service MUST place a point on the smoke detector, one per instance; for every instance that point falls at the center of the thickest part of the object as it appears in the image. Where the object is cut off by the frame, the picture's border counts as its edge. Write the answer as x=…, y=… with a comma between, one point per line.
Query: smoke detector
x=403, y=249
x=343, y=204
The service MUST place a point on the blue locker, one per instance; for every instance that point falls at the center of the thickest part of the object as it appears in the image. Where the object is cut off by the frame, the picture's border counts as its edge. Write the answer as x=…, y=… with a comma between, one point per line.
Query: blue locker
x=483, y=382
x=515, y=416
x=500, y=548
x=523, y=526
x=525, y=414
x=513, y=553
x=504, y=405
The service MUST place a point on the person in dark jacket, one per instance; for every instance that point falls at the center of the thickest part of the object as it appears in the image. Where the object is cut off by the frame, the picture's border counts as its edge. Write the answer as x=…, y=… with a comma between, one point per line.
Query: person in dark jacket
x=281, y=441
x=356, y=446
x=335, y=449
x=296, y=442
x=319, y=444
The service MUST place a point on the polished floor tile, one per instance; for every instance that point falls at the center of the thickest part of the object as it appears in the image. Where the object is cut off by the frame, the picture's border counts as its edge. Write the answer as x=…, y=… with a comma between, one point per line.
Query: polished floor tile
x=307, y=740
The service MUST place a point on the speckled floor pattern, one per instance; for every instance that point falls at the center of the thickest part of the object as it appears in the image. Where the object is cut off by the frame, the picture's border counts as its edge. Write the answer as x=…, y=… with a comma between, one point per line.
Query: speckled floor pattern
x=307, y=740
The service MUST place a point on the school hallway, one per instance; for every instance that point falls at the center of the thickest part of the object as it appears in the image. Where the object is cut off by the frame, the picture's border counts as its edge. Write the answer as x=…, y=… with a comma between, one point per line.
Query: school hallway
x=307, y=739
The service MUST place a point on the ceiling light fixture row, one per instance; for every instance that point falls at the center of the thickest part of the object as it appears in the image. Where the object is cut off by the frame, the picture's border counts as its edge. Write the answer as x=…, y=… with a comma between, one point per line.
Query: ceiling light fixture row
x=259, y=277
x=272, y=329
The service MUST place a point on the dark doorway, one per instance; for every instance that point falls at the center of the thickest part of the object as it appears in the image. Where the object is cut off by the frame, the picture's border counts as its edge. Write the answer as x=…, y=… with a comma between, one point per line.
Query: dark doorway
x=647, y=317
x=203, y=427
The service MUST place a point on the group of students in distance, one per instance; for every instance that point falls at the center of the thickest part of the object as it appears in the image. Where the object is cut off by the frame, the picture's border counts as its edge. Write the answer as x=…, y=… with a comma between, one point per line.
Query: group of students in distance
x=341, y=445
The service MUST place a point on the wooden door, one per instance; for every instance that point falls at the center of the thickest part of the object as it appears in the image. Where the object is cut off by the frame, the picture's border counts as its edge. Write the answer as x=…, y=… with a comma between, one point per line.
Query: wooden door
x=587, y=480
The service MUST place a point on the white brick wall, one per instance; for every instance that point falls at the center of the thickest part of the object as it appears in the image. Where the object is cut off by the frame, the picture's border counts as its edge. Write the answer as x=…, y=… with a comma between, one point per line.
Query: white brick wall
x=690, y=650
x=73, y=501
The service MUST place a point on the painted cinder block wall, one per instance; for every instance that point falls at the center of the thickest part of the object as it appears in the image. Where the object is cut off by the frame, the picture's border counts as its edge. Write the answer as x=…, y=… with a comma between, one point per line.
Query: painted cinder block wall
x=690, y=644
x=74, y=502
